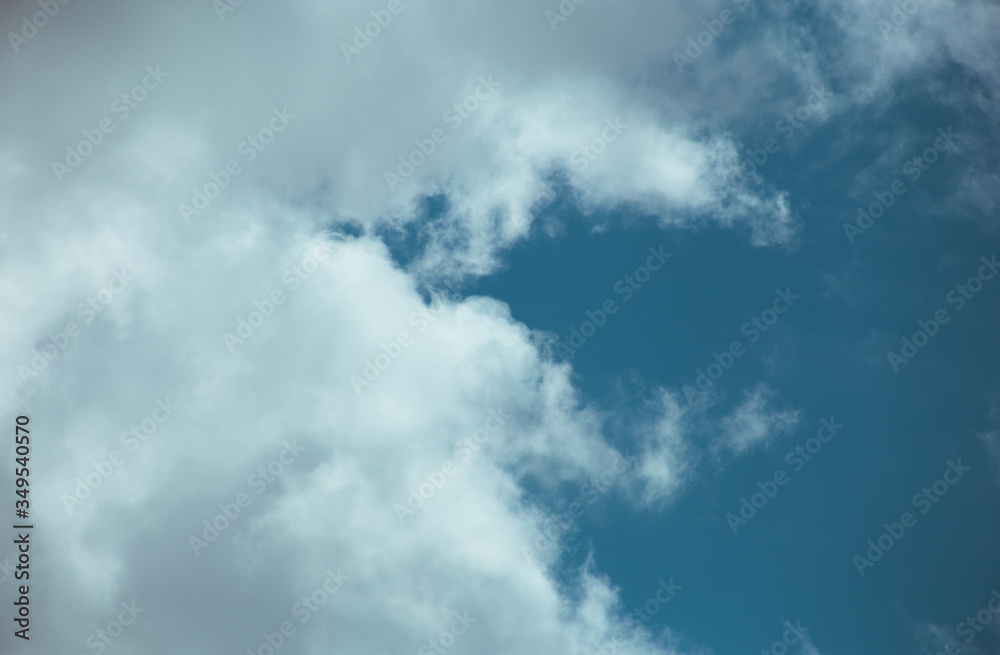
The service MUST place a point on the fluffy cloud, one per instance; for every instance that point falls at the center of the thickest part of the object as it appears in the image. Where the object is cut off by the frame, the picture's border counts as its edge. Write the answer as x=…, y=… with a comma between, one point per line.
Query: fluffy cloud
x=243, y=407
x=254, y=318
x=498, y=143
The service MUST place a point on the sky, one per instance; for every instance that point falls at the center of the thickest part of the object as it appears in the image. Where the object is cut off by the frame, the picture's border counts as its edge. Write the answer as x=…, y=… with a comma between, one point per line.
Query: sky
x=570, y=327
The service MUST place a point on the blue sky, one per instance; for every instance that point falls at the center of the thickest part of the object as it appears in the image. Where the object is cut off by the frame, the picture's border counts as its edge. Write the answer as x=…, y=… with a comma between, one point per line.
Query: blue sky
x=826, y=357
x=394, y=327
x=795, y=559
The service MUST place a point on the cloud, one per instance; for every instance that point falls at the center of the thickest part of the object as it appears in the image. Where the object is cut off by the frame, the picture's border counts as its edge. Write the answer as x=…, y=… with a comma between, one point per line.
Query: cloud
x=308, y=312
x=892, y=42
x=903, y=49
x=257, y=306
x=331, y=507
x=806, y=647
x=753, y=423
x=666, y=457
x=991, y=438
x=935, y=638
x=500, y=139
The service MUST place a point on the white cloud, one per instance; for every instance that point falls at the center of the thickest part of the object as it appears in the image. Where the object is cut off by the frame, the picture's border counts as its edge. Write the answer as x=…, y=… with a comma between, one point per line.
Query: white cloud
x=350, y=125
x=885, y=43
x=332, y=508
x=162, y=335
x=754, y=423
x=666, y=459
